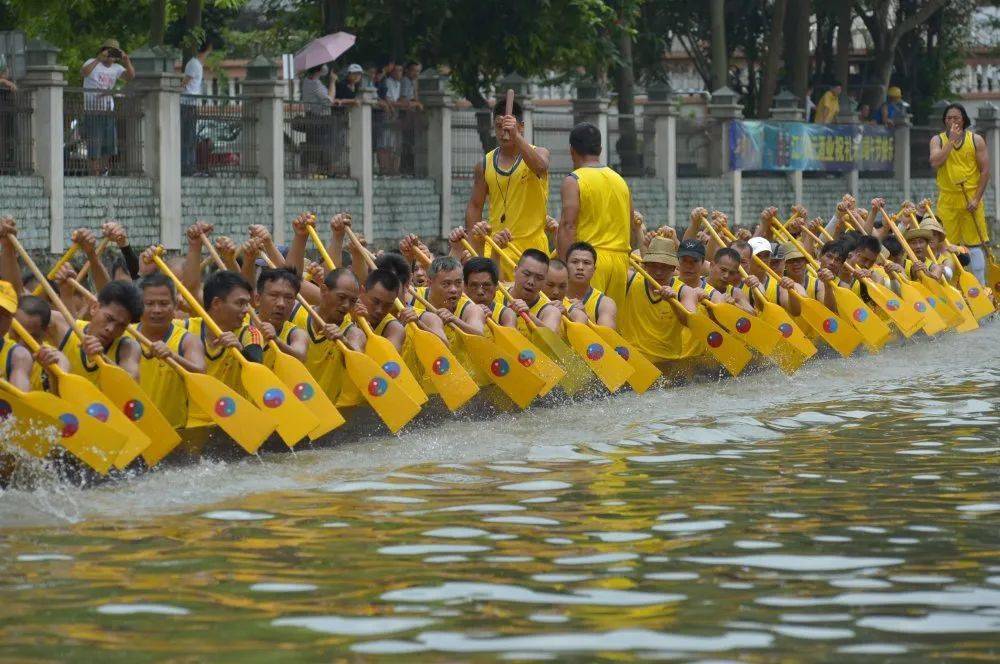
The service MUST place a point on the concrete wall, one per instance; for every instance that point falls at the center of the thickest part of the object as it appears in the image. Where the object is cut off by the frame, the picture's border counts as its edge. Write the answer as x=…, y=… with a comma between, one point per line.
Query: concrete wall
x=90, y=201
x=231, y=204
x=324, y=198
x=404, y=205
x=24, y=199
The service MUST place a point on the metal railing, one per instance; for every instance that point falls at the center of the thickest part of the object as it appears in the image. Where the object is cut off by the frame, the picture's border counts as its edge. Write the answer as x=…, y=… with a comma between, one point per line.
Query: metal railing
x=639, y=160
x=694, y=143
x=551, y=130
x=317, y=140
x=218, y=136
x=15, y=133
x=471, y=138
x=102, y=133
x=399, y=142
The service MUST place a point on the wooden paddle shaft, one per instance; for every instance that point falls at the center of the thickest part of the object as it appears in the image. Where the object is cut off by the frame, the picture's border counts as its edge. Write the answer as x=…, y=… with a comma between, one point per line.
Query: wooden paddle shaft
x=743, y=273
x=899, y=235
x=65, y=258
x=509, y=109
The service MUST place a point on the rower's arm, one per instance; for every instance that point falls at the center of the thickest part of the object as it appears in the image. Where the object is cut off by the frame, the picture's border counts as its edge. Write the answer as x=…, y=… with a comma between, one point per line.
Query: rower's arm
x=939, y=151
x=192, y=354
x=689, y=298
x=828, y=299
x=537, y=159
x=129, y=354
x=191, y=274
x=742, y=301
x=396, y=333
x=20, y=368
x=791, y=304
x=607, y=313
x=297, y=249
x=297, y=344
x=477, y=199
x=983, y=160
x=550, y=317
x=355, y=338
x=507, y=317
x=570, y=195
x=472, y=320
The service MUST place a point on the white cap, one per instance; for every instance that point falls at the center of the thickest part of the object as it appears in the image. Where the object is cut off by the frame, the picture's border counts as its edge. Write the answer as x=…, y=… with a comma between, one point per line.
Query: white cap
x=759, y=245
x=355, y=69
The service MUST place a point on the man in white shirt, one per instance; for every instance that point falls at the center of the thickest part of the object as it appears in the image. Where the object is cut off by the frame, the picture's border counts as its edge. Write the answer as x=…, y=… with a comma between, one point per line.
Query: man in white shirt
x=100, y=75
x=194, y=72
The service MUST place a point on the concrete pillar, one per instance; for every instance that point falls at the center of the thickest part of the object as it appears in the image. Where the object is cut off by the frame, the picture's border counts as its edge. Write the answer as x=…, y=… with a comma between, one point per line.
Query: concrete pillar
x=662, y=109
x=786, y=107
x=438, y=106
x=590, y=105
x=848, y=115
x=266, y=92
x=161, y=130
x=522, y=94
x=45, y=80
x=361, y=168
x=723, y=109
x=988, y=122
x=901, y=153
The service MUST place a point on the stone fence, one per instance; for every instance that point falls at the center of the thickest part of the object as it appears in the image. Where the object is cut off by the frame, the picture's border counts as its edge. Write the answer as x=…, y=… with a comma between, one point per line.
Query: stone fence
x=157, y=160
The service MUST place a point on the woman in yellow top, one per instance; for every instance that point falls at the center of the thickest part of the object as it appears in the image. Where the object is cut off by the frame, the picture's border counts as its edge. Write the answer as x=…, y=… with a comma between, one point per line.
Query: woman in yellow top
x=597, y=209
x=515, y=177
x=829, y=105
x=962, y=163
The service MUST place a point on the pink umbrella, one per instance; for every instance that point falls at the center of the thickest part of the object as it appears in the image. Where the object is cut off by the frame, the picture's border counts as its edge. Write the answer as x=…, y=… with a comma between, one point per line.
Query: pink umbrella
x=323, y=50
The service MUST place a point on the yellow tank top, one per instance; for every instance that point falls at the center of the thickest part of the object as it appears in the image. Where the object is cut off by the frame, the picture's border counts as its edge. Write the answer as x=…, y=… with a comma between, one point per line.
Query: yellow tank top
x=591, y=302
x=300, y=316
x=164, y=385
x=325, y=362
x=534, y=309
x=7, y=346
x=219, y=363
x=79, y=363
x=283, y=335
x=811, y=286
x=649, y=323
x=496, y=313
x=517, y=196
x=960, y=165
x=605, y=208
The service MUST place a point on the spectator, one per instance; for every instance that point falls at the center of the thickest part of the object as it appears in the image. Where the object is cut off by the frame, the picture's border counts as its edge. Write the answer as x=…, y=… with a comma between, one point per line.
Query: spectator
x=865, y=114
x=5, y=82
x=387, y=127
x=347, y=90
x=810, y=105
x=892, y=108
x=408, y=86
x=194, y=72
x=317, y=99
x=829, y=105
x=101, y=74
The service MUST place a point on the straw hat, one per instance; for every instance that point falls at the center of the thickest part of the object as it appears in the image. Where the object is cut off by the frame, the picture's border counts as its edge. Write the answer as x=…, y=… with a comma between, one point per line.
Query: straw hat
x=791, y=251
x=933, y=226
x=661, y=250
x=914, y=233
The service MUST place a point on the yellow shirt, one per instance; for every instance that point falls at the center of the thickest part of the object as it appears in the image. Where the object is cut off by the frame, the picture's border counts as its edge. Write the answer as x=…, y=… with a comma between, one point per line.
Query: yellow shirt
x=325, y=362
x=219, y=363
x=165, y=386
x=828, y=107
x=283, y=335
x=535, y=309
x=649, y=323
x=605, y=209
x=591, y=302
x=79, y=363
x=961, y=165
x=518, y=199
x=7, y=346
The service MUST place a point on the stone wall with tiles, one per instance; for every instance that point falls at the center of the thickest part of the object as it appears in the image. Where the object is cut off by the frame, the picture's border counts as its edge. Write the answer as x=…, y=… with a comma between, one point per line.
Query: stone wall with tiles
x=23, y=198
x=406, y=205
x=231, y=204
x=90, y=201
x=324, y=198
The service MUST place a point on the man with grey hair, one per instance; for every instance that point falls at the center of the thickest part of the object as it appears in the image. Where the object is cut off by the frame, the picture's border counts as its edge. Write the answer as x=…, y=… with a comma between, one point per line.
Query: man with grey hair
x=446, y=293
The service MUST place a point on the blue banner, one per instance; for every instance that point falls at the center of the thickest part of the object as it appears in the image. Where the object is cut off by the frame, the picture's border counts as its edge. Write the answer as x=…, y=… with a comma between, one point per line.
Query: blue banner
x=763, y=145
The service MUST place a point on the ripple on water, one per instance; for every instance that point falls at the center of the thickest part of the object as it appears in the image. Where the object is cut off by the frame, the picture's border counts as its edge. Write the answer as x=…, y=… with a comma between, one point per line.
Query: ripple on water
x=691, y=526
x=756, y=544
x=353, y=626
x=979, y=507
x=457, y=533
x=614, y=641
x=615, y=536
x=596, y=559
x=237, y=515
x=537, y=485
x=282, y=587
x=796, y=563
x=42, y=557
x=813, y=633
x=935, y=622
x=489, y=592
x=136, y=609
x=347, y=487
x=424, y=549
x=484, y=508
x=523, y=520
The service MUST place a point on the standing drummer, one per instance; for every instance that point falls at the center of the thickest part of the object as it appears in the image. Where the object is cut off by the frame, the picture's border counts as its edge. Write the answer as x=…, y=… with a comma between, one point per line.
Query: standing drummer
x=963, y=167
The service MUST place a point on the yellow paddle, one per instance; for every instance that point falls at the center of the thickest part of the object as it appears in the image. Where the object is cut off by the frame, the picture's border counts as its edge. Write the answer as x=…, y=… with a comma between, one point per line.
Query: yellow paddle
x=65, y=258
x=872, y=328
x=971, y=288
x=793, y=348
x=526, y=352
x=81, y=394
x=83, y=436
x=940, y=299
x=294, y=421
x=916, y=298
x=378, y=383
x=906, y=319
x=134, y=415
x=958, y=298
x=241, y=421
x=446, y=373
x=610, y=368
x=729, y=351
x=992, y=267
x=496, y=363
x=644, y=372
x=294, y=374
x=380, y=349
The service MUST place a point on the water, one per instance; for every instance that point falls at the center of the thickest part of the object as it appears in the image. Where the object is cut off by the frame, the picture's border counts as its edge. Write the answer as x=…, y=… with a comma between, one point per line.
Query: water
x=849, y=513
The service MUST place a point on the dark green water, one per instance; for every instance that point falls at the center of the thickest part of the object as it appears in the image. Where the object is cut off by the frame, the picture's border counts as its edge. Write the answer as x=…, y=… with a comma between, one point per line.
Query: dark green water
x=850, y=513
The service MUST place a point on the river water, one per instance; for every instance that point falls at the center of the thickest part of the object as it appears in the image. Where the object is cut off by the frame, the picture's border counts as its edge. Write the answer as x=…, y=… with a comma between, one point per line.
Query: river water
x=848, y=513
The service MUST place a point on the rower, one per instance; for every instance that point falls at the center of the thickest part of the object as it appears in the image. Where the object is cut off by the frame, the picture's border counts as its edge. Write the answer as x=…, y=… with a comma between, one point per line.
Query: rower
x=581, y=261
x=35, y=314
x=647, y=320
x=795, y=269
x=832, y=257
x=162, y=383
x=377, y=298
x=919, y=238
x=118, y=305
x=275, y=298
x=482, y=276
x=15, y=360
x=556, y=280
x=452, y=305
x=338, y=296
x=724, y=270
x=529, y=276
x=938, y=243
x=775, y=291
x=863, y=257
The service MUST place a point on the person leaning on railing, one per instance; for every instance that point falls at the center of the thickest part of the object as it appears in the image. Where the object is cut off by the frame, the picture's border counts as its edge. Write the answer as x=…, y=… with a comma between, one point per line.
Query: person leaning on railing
x=100, y=75
x=194, y=71
x=317, y=100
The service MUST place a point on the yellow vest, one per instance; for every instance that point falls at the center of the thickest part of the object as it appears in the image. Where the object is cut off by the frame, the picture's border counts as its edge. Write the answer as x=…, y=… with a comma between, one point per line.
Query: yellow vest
x=79, y=363
x=219, y=363
x=518, y=198
x=591, y=302
x=960, y=165
x=534, y=309
x=605, y=209
x=283, y=335
x=165, y=386
x=7, y=346
x=650, y=324
x=325, y=362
